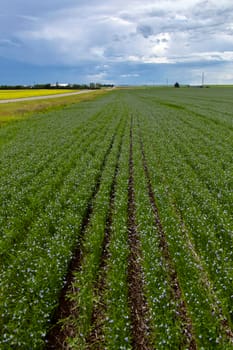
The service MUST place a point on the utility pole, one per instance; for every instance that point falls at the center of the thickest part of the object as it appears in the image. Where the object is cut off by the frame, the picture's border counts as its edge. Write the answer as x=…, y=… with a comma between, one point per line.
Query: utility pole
x=203, y=79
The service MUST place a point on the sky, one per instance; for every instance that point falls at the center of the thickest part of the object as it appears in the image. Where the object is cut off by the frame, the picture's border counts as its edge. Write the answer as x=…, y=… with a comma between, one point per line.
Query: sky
x=124, y=42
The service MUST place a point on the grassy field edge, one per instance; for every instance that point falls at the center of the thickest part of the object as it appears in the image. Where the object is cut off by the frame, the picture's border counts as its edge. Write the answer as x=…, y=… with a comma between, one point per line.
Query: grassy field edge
x=23, y=109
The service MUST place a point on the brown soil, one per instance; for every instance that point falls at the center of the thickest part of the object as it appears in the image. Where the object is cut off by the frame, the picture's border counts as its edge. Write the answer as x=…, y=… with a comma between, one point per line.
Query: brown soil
x=95, y=339
x=137, y=302
x=56, y=337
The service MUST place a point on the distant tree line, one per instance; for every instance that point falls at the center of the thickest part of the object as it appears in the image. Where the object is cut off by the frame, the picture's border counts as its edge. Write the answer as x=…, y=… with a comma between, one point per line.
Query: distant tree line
x=91, y=86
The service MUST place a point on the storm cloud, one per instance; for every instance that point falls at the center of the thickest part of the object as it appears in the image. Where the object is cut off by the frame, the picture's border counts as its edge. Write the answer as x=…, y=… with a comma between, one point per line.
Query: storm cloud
x=118, y=41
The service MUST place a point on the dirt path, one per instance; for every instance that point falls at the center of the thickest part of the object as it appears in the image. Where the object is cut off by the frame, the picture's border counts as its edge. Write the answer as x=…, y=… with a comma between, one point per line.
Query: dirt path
x=45, y=96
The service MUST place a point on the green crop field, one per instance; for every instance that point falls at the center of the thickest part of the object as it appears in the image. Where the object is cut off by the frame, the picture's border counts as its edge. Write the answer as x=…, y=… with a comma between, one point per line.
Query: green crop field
x=117, y=224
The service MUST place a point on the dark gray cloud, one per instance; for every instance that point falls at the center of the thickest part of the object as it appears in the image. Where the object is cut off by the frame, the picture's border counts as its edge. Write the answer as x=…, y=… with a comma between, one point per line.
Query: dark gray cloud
x=145, y=30
x=116, y=33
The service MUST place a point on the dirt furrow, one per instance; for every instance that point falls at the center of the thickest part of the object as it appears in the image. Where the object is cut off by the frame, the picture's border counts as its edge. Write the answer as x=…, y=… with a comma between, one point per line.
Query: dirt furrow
x=56, y=336
x=189, y=342
x=137, y=301
x=96, y=338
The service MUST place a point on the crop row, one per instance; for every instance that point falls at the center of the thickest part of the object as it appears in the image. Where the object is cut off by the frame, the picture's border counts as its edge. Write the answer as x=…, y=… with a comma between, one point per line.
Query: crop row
x=116, y=226
x=35, y=264
x=200, y=246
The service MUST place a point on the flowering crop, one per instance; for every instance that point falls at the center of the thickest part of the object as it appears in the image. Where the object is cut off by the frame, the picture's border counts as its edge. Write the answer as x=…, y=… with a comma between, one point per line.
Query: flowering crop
x=65, y=187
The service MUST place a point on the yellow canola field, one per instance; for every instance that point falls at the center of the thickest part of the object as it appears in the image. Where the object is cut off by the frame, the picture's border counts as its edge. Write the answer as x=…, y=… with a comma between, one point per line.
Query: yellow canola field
x=11, y=94
x=20, y=110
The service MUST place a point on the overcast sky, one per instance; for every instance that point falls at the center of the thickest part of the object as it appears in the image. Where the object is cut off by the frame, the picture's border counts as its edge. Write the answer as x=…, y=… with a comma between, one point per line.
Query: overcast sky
x=116, y=41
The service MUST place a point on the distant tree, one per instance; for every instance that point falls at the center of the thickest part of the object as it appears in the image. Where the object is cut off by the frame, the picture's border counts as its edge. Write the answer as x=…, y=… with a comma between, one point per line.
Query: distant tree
x=176, y=85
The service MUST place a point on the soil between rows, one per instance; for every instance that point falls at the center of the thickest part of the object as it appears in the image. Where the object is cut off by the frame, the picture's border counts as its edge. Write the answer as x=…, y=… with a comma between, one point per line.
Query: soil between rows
x=56, y=337
x=137, y=301
x=96, y=337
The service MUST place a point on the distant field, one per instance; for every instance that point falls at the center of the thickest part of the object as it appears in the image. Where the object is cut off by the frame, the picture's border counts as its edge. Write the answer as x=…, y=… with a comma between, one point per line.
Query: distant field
x=23, y=109
x=12, y=94
x=116, y=225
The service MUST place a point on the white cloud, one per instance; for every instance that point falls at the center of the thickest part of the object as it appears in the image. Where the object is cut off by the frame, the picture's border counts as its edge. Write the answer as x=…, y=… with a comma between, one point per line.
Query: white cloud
x=133, y=75
x=104, y=32
x=99, y=77
x=148, y=32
